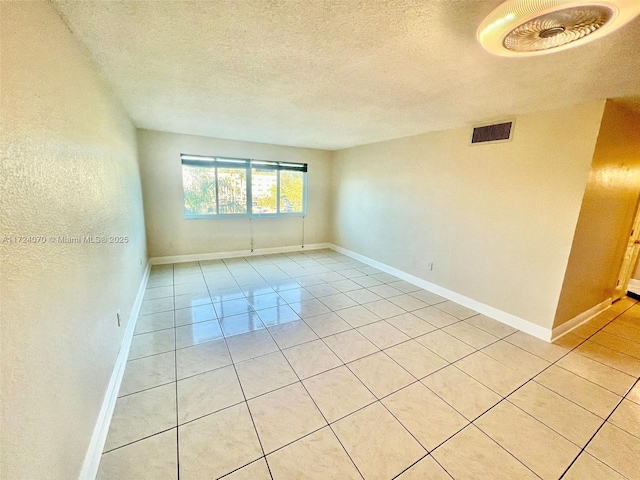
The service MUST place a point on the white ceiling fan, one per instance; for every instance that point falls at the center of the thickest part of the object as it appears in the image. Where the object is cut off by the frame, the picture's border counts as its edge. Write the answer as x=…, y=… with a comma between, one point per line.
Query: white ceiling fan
x=536, y=27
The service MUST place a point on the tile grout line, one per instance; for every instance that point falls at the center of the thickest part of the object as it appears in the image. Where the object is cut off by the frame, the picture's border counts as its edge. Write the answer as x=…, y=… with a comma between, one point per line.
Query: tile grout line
x=242, y=288
x=263, y=457
x=301, y=319
x=379, y=400
x=254, y=310
x=472, y=422
x=621, y=338
x=460, y=320
x=429, y=452
x=608, y=348
x=255, y=429
x=571, y=350
x=334, y=311
x=449, y=363
x=378, y=351
x=586, y=379
x=318, y=299
x=138, y=440
x=606, y=420
x=314, y=402
x=175, y=367
x=532, y=379
x=310, y=433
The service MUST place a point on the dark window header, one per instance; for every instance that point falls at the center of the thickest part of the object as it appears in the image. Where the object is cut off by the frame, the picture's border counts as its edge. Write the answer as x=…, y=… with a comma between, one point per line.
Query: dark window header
x=226, y=162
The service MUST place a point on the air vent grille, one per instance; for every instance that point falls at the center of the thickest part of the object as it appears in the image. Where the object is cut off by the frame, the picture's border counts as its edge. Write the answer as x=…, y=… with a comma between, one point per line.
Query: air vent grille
x=498, y=132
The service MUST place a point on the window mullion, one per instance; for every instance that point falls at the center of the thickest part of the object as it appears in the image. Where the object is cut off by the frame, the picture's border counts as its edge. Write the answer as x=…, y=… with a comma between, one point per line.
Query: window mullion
x=217, y=192
x=304, y=194
x=278, y=192
x=249, y=193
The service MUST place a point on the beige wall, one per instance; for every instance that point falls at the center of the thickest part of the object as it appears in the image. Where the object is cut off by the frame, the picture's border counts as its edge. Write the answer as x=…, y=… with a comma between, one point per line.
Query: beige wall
x=606, y=215
x=169, y=233
x=497, y=220
x=69, y=167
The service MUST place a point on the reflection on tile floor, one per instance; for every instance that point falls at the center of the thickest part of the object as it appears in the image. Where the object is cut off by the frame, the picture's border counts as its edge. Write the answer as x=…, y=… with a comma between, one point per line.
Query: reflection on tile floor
x=314, y=365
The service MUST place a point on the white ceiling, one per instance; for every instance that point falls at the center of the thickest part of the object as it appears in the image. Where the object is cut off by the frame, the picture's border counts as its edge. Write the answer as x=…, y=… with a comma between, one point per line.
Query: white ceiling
x=331, y=73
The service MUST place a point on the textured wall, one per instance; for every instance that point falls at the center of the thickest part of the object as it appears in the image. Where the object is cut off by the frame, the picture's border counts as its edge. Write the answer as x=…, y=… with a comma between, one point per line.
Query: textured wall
x=169, y=233
x=497, y=220
x=606, y=216
x=69, y=167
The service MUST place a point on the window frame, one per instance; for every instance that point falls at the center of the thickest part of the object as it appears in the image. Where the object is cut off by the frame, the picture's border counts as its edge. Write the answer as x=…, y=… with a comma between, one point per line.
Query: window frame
x=248, y=164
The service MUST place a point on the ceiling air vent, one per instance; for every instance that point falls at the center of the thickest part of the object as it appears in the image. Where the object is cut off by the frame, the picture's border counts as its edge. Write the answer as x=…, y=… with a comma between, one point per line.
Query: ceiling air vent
x=499, y=132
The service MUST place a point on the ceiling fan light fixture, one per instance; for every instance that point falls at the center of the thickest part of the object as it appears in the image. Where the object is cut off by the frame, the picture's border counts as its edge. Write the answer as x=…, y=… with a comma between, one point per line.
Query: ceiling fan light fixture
x=536, y=27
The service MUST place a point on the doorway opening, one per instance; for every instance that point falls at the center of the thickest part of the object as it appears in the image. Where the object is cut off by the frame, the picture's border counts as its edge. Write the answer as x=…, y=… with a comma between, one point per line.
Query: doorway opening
x=629, y=278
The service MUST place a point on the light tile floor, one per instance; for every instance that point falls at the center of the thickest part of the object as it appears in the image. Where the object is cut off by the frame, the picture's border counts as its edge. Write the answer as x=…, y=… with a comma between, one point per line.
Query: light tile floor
x=315, y=366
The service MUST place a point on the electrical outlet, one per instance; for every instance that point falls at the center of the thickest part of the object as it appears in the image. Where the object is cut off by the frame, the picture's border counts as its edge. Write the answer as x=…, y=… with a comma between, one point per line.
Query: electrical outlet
x=430, y=266
x=118, y=317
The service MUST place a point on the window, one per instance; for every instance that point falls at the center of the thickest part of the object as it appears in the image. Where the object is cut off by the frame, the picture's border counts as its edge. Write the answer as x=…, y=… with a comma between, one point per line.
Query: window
x=217, y=186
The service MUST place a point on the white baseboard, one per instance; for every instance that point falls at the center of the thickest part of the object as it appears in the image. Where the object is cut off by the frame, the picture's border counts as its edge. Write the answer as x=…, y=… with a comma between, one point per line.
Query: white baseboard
x=237, y=253
x=578, y=320
x=99, y=437
x=503, y=317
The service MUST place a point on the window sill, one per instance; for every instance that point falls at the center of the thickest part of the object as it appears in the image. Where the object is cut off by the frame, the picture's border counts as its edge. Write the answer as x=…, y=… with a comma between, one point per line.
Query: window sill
x=242, y=215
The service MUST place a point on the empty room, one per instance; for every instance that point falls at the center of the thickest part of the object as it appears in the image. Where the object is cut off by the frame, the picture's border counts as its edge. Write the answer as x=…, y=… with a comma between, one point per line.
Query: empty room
x=331, y=239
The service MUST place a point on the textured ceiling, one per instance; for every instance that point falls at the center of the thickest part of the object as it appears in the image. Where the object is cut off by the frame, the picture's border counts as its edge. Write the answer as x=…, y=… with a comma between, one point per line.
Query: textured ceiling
x=331, y=73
